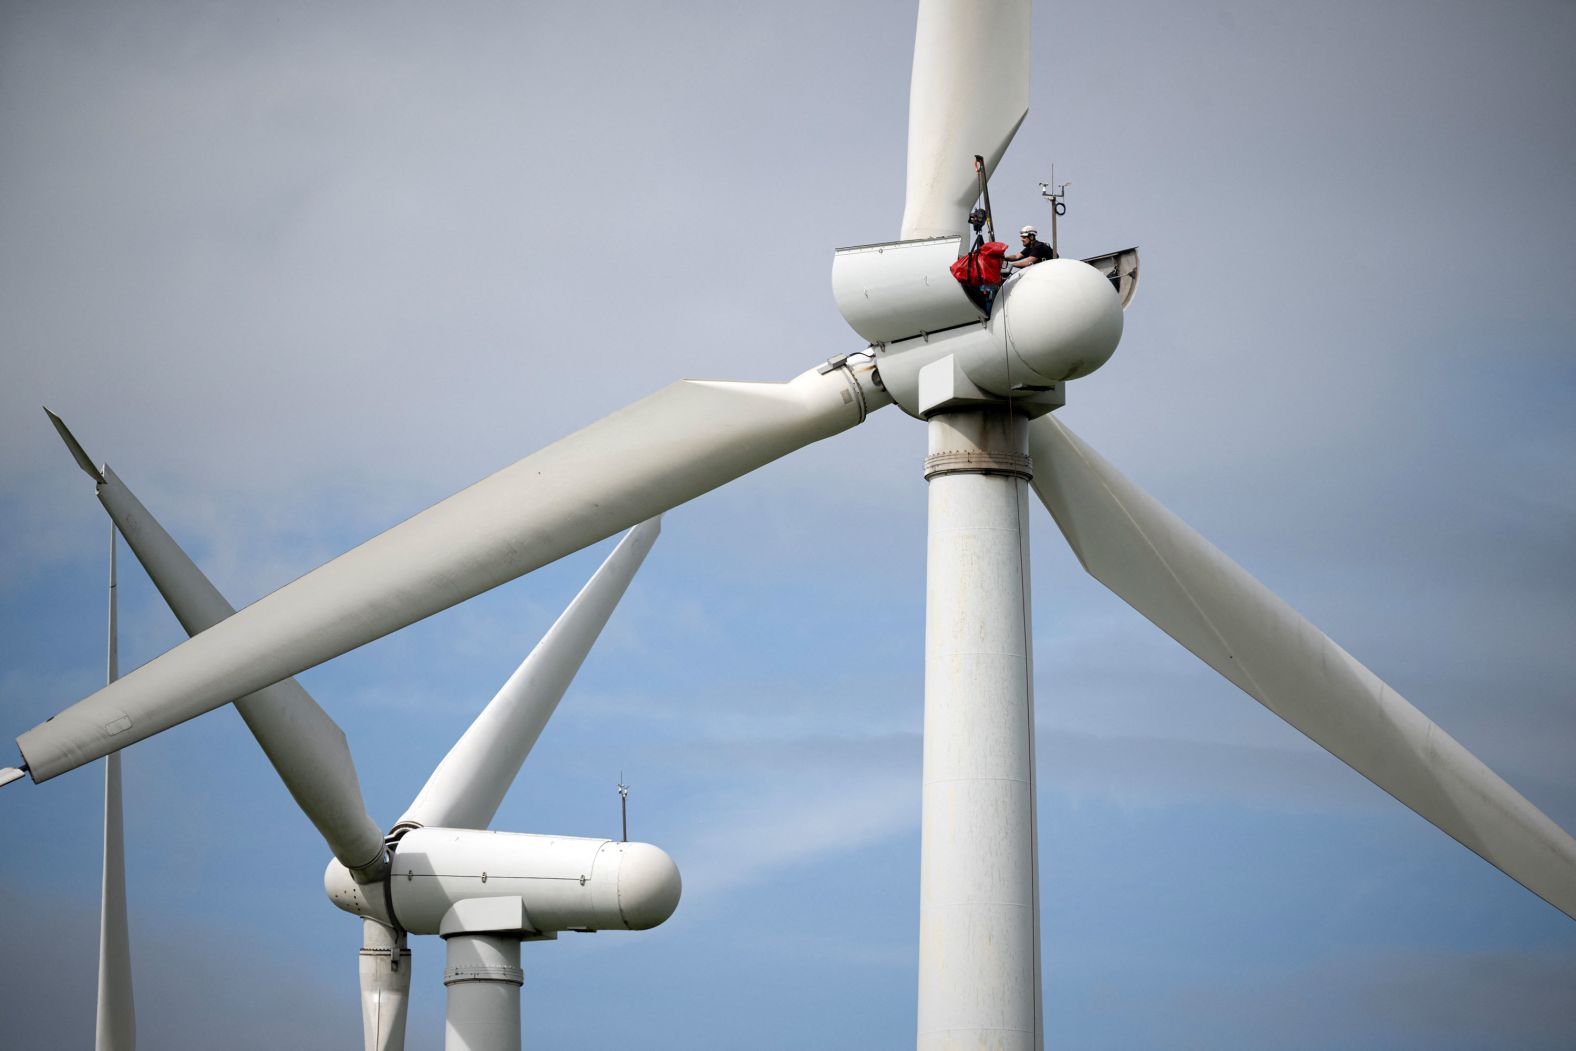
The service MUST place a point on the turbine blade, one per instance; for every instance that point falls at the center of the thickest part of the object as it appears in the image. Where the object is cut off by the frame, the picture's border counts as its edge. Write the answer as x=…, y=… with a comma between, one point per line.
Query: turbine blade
x=385, y=987
x=117, y=1022
x=469, y=784
x=77, y=452
x=969, y=93
x=1198, y=596
x=671, y=447
x=306, y=747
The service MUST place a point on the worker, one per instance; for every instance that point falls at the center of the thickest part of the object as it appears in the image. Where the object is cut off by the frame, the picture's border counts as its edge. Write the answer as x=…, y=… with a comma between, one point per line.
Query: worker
x=1034, y=250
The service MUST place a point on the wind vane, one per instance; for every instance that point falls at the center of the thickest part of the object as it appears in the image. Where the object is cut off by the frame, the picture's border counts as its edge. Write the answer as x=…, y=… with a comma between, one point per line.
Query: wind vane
x=623, y=804
x=1053, y=194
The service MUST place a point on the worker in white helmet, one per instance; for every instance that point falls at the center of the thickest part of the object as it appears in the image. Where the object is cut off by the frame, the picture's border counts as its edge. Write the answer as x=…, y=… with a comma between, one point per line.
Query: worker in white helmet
x=1034, y=250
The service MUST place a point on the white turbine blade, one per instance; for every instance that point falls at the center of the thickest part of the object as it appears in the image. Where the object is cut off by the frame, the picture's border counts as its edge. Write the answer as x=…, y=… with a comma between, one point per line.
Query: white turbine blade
x=117, y=1024
x=77, y=453
x=116, y=1020
x=469, y=784
x=305, y=746
x=1209, y=604
x=969, y=93
x=385, y=987
x=671, y=447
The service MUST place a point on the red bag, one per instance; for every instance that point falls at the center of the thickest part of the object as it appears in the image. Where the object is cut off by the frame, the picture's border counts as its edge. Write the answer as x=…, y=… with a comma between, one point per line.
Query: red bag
x=982, y=266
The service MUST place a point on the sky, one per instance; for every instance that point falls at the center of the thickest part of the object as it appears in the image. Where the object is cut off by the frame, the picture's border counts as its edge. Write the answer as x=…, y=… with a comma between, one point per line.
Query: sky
x=300, y=270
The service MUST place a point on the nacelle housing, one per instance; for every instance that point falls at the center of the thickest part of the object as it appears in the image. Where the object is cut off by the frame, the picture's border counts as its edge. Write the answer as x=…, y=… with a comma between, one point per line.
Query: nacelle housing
x=935, y=351
x=539, y=885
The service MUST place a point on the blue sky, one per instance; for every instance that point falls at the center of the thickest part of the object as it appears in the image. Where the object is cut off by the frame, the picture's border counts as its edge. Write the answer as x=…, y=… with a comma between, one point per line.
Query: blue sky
x=297, y=273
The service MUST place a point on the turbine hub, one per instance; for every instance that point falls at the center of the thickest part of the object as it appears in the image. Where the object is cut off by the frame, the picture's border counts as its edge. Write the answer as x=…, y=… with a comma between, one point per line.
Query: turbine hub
x=1060, y=319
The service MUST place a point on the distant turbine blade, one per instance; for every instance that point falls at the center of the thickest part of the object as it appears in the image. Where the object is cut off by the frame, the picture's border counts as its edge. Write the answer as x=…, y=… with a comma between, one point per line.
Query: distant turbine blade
x=683, y=441
x=77, y=453
x=116, y=1022
x=969, y=93
x=1199, y=597
x=305, y=746
x=469, y=784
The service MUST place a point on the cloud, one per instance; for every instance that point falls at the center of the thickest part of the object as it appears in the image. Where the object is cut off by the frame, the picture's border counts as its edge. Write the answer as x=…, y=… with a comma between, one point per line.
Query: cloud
x=803, y=801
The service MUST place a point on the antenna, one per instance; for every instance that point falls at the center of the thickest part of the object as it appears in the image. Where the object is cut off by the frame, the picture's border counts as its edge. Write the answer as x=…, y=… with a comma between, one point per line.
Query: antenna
x=1053, y=195
x=623, y=804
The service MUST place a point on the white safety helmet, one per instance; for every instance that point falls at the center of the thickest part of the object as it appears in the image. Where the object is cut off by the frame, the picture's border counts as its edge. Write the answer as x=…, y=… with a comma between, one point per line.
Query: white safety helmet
x=1031, y=231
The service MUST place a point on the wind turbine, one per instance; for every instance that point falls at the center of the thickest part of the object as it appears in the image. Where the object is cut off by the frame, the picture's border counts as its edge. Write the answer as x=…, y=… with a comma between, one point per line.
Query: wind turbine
x=1181, y=589
x=116, y=1018
x=484, y=892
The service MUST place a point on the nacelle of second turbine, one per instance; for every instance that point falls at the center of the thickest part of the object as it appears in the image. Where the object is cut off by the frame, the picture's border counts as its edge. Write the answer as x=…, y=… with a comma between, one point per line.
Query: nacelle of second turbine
x=562, y=883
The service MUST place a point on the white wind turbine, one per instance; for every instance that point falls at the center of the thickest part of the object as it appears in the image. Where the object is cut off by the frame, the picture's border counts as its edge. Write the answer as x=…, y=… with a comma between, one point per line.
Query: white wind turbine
x=483, y=892
x=983, y=386
x=116, y=1017
x=115, y=1021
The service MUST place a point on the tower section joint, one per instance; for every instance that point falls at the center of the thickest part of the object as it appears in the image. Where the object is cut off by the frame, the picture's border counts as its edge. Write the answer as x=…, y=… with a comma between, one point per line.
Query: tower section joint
x=979, y=461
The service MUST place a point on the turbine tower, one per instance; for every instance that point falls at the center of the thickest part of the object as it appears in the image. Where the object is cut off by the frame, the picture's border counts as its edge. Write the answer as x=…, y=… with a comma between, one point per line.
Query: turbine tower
x=986, y=382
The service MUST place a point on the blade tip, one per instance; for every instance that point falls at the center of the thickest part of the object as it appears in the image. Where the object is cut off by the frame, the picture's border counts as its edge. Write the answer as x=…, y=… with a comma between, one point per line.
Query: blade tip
x=78, y=453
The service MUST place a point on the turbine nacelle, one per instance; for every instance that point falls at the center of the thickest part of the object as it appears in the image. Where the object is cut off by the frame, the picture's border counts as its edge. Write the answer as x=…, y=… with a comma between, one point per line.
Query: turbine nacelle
x=936, y=351
x=451, y=881
x=1056, y=321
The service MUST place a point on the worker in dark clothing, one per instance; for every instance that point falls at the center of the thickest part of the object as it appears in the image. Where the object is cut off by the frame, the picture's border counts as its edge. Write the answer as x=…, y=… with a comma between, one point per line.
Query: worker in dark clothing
x=1034, y=250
